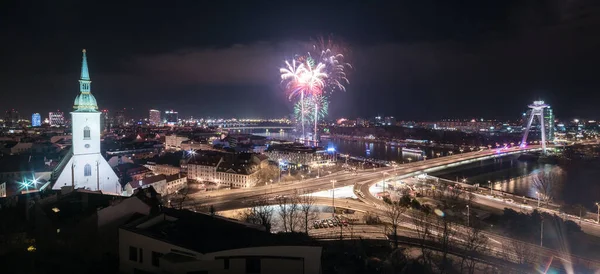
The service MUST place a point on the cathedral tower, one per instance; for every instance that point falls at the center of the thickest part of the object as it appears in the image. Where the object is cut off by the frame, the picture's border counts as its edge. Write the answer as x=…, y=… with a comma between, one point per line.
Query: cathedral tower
x=84, y=166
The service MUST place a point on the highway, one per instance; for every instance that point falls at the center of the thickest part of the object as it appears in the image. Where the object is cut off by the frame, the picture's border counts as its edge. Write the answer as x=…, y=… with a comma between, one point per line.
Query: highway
x=362, y=177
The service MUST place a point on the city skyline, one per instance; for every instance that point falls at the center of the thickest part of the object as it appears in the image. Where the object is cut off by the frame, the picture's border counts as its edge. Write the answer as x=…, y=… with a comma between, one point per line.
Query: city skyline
x=407, y=67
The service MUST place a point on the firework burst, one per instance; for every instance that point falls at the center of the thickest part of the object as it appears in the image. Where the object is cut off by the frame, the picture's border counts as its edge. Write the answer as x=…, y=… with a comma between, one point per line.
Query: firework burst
x=309, y=76
x=309, y=109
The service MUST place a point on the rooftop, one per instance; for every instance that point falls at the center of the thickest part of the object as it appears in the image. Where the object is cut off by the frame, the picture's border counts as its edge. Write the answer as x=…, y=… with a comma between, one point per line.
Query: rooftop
x=200, y=232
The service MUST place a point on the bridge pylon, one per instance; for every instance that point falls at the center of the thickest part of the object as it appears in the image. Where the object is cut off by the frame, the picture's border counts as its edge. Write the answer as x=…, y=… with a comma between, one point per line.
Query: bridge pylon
x=537, y=109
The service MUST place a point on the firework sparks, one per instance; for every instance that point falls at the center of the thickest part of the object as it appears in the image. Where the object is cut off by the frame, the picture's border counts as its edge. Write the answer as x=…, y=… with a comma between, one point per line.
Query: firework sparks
x=309, y=105
x=322, y=69
x=331, y=54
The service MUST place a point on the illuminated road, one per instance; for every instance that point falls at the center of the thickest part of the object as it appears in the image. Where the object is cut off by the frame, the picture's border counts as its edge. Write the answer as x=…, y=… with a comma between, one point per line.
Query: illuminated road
x=223, y=198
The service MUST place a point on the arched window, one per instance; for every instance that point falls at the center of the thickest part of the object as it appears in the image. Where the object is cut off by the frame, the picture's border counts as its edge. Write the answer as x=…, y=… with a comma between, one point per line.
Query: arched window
x=87, y=170
x=86, y=133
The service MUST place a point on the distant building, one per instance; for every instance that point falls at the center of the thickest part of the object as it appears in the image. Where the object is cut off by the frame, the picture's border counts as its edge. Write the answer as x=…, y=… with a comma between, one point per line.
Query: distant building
x=163, y=184
x=154, y=117
x=105, y=123
x=36, y=120
x=57, y=118
x=181, y=241
x=120, y=119
x=171, y=117
x=174, y=141
x=389, y=121
x=473, y=125
x=162, y=169
x=549, y=121
x=360, y=122
x=128, y=172
x=2, y=190
x=298, y=155
x=237, y=170
x=11, y=119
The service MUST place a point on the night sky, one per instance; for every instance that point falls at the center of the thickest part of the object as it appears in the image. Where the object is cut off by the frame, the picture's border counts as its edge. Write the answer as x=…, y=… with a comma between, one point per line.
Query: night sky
x=413, y=59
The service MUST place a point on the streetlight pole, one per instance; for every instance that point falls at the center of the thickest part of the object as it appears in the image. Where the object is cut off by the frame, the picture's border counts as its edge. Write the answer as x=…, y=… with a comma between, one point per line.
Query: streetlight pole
x=542, y=233
x=491, y=188
x=468, y=216
x=333, y=197
x=383, y=181
x=279, y=168
x=598, y=206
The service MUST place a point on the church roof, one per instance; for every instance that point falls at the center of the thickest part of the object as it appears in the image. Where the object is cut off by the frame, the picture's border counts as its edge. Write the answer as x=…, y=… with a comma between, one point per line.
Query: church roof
x=85, y=101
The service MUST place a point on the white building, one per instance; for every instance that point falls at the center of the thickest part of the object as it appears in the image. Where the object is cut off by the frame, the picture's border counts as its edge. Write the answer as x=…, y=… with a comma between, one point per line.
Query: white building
x=174, y=141
x=2, y=190
x=179, y=242
x=154, y=118
x=162, y=184
x=84, y=166
x=162, y=169
x=233, y=170
x=57, y=118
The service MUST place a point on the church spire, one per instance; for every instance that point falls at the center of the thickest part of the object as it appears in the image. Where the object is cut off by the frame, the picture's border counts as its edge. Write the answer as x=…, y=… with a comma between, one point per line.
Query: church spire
x=85, y=74
x=85, y=101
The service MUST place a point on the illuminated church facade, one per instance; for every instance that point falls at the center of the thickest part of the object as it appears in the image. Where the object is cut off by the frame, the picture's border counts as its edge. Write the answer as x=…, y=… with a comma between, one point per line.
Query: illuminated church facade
x=84, y=166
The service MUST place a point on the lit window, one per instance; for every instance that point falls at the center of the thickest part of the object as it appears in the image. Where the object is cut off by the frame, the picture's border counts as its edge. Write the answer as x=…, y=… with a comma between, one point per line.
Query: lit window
x=86, y=133
x=87, y=170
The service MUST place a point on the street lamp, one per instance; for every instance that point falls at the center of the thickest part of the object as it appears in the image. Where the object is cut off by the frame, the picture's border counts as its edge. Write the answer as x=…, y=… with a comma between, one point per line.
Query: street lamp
x=271, y=181
x=409, y=160
x=279, y=168
x=333, y=196
x=468, y=216
x=383, y=177
x=461, y=150
x=598, y=218
x=491, y=188
x=538, y=196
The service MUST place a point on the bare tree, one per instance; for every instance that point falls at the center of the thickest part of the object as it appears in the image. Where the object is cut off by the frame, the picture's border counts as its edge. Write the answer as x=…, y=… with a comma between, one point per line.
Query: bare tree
x=284, y=211
x=307, y=208
x=261, y=213
x=454, y=193
x=422, y=223
x=474, y=243
x=270, y=172
x=520, y=252
x=294, y=212
x=444, y=236
x=289, y=212
x=179, y=197
x=393, y=213
x=547, y=183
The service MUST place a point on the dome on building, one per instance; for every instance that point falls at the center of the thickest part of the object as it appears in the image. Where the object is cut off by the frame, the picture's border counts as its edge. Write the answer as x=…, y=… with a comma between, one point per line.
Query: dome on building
x=85, y=102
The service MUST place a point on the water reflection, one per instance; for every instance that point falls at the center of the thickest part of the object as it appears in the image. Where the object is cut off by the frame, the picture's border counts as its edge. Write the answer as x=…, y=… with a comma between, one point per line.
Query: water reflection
x=382, y=151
